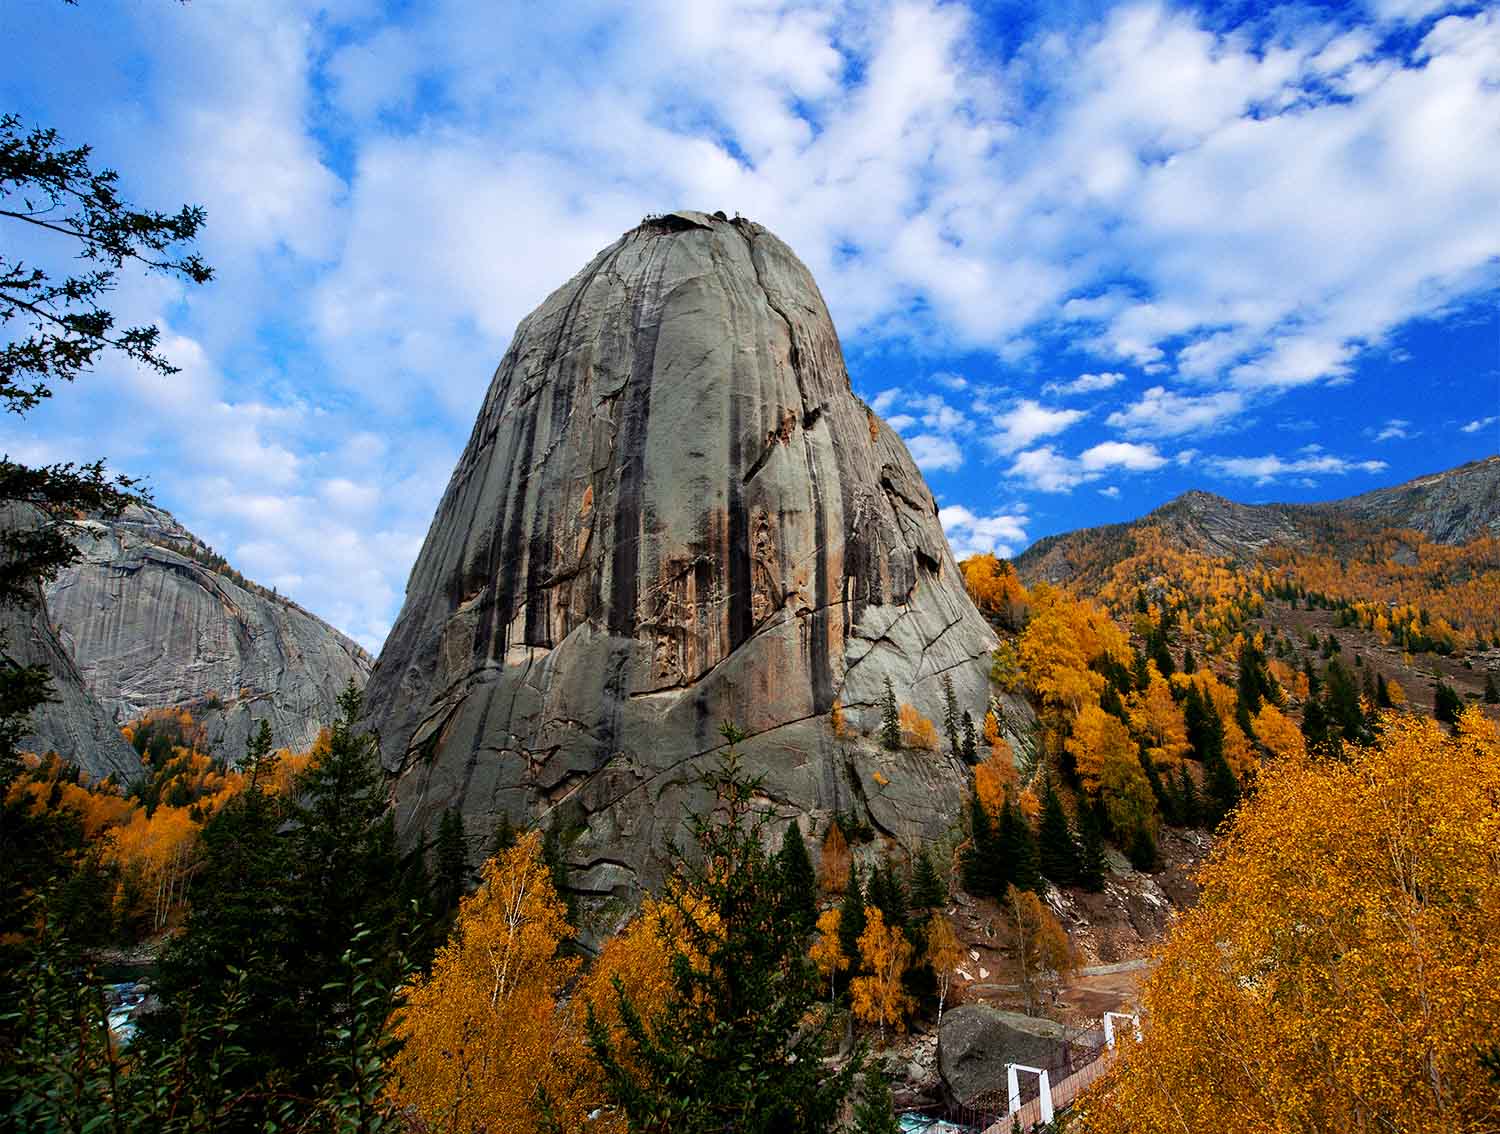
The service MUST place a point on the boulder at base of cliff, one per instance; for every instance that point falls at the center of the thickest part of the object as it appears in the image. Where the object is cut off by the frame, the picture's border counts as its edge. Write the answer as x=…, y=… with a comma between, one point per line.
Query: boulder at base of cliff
x=977, y=1041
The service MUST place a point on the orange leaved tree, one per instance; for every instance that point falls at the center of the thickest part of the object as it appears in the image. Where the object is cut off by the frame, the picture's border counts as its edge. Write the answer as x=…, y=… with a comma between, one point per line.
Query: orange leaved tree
x=1341, y=970
x=481, y=1031
x=879, y=997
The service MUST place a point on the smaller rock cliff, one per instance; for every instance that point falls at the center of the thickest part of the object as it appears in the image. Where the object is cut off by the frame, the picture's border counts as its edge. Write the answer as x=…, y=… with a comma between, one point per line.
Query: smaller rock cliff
x=73, y=724
x=154, y=619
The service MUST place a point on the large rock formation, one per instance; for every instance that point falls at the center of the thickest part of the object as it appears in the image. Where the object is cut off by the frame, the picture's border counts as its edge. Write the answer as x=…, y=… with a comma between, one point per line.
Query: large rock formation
x=674, y=512
x=154, y=620
x=73, y=724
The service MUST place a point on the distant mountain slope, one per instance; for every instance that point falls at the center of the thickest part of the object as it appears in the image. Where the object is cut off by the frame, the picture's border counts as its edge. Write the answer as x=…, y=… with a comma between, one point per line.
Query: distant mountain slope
x=154, y=619
x=1449, y=507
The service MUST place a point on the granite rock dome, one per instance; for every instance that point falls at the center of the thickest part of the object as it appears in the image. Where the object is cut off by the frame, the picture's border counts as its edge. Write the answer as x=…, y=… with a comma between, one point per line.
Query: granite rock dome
x=673, y=511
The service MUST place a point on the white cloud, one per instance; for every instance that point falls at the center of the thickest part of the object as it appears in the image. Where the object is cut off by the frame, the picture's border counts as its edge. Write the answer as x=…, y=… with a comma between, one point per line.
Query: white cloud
x=1264, y=470
x=1113, y=492
x=1047, y=470
x=1479, y=423
x=1164, y=413
x=1001, y=534
x=1396, y=429
x=1029, y=421
x=934, y=453
x=1121, y=455
x=1086, y=384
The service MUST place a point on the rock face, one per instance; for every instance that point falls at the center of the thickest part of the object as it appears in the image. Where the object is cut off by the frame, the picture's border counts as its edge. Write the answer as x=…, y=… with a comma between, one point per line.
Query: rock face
x=977, y=1041
x=151, y=623
x=673, y=512
x=74, y=724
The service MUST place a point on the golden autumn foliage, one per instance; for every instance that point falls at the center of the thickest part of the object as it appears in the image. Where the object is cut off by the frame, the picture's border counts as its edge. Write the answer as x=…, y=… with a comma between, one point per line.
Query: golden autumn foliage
x=836, y=719
x=994, y=778
x=916, y=730
x=1099, y=739
x=944, y=954
x=995, y=588
x=1044, y=954
x=1157, y=719
x=481, y=1033
x=834, y=862
x=826, y=952
x=1278, y=732
x=1335, y=975
x=878, y=996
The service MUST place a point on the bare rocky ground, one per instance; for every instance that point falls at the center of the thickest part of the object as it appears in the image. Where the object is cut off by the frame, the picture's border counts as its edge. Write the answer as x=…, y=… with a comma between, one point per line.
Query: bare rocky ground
x=1114, y=932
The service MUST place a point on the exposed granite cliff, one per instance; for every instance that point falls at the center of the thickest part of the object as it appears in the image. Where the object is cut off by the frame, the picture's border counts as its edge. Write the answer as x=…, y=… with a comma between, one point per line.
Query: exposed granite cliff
x=73, y=724
x=673, y=512
x=152, y=623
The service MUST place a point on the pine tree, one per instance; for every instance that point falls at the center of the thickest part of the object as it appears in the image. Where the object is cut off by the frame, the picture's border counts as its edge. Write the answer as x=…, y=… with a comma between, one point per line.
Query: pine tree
x=1189, y=662
x=875, y=1110
x=1092, y=863
x=893, y=902
x=980, y=861
x=1491, y=691
x=927, y=890
x=1187, y=799
x=505, y=835
x=1057, y=851
x=1446, y=704
x=1142, y=851
x=1018, y=851
x=726, y=1048
x=970, y=740
x=1222, y=789
x=799, y=884
x=950, y=716
x=450, y=867
x=890, y=719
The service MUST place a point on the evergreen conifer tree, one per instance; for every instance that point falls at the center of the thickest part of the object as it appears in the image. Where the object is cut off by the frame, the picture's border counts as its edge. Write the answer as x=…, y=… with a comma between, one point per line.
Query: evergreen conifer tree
x=726, y=1047
x=1187, y=799
x=890, y=719
x=1446, y=703
x=1018, y=851
x=950, y=717
x=927, y=890
x=980, y=861
x=970, y=740
x=1092, y=863
x=1057, y=851
x=1491, y=690
x=875, y=1109
x=1142, y=850
x=1222, y=790
x=799, y=883
x=852, y=919
x=451, y=867
x=1189, y=662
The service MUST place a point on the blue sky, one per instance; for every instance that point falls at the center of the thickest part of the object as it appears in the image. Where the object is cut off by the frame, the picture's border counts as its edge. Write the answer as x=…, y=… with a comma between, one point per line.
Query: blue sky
x=1083, y=256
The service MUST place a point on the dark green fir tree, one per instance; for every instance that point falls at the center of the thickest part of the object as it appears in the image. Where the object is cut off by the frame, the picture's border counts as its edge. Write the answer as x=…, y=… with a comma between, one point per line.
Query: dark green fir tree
x=799, y=883
x=890, y=719
x=1056, y=848
x=927, y=889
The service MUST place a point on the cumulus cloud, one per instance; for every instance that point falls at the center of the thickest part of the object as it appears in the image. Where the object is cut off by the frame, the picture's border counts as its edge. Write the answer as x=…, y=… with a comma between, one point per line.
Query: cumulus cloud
x=1160, y=412
x=1028, y=421
x=1001, y=534
x=1086, y=384
x=1121, y=455
x=934, y=453
x=1478, y=423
